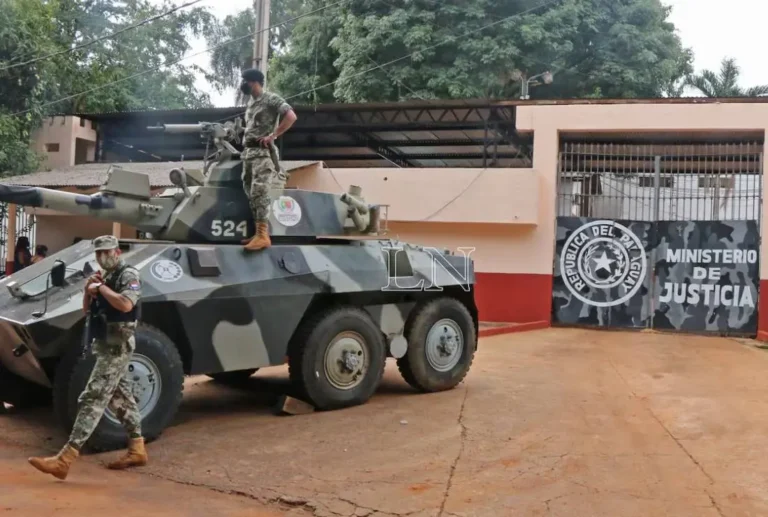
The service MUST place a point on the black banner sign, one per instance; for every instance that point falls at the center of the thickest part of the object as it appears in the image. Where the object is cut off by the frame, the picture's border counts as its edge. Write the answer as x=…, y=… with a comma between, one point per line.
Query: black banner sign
x=705, y=274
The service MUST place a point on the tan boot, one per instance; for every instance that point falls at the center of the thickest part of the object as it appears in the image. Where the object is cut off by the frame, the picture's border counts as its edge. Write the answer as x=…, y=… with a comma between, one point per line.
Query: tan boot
x=56, y=465
x=135, y=457
x=261, y=240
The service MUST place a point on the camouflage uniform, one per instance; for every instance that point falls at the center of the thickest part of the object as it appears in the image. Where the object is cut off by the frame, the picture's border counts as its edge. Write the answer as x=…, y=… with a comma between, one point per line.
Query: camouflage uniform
x=109, y=384
x=261, y=164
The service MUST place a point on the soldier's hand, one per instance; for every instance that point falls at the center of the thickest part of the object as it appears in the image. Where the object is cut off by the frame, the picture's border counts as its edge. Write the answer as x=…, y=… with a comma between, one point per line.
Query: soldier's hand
x=266, y=141
x=93, y=288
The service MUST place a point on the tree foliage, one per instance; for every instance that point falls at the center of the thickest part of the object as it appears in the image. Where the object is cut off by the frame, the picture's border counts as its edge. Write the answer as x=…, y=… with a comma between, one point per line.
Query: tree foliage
x=725, y=82
x=233, y=40
x=141, y=62
x=475, y=48
x=26, y=29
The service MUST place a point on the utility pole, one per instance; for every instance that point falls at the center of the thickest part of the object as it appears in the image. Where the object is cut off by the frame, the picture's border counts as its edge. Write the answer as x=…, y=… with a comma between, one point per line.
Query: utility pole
x=261, y=38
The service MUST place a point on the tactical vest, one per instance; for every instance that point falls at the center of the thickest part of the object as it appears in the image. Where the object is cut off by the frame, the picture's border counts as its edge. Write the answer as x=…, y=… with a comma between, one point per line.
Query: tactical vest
x=111, y=314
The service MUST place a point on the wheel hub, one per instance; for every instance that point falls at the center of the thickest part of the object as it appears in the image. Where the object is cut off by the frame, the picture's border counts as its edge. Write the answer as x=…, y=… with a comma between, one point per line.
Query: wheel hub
x=146, y=385
x=445, y=343
x=346, y=360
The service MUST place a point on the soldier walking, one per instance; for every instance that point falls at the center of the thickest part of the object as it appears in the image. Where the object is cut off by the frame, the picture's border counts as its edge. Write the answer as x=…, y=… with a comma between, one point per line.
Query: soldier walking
x=260, y=155
x=116, y=292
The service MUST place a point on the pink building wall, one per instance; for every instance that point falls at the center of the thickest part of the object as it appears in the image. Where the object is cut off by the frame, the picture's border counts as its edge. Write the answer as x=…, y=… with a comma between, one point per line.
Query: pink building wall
x=509, y=214
x=69, y=136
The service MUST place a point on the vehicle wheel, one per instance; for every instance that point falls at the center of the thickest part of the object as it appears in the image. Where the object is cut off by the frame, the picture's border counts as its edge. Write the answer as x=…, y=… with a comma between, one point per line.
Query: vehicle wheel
x=441, y=345
x=158, y=377
x=337, y=358
x=233, y=377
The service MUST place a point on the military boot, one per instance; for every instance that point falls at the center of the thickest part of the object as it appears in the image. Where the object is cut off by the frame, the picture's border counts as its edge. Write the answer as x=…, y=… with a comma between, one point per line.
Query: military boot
x=56, y=465
x=261, y=240
x=135, y=457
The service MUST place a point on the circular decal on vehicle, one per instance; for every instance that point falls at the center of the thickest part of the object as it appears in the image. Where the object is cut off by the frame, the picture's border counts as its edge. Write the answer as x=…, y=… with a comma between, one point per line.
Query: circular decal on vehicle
x=287, y=211
x=603, y=256
x=166, y=270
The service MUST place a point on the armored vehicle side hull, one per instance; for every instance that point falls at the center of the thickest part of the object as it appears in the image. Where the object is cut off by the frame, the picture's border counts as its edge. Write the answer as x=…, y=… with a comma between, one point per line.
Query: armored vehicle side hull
x=334, y=310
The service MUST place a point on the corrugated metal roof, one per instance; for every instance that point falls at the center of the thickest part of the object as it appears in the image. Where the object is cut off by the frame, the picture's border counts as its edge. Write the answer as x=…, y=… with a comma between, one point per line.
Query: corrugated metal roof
x=94, y=174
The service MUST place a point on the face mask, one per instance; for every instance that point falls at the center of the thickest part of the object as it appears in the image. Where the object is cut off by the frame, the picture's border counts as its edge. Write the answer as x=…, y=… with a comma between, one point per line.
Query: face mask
x=245, y=88
x=107, y=261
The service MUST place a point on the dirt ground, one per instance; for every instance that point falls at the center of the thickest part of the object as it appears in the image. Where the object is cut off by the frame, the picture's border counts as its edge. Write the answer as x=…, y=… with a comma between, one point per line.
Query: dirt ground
x=554, y=422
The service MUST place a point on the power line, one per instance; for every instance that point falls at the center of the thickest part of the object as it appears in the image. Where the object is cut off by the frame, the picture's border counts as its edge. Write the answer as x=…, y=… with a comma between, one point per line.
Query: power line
x=102, y=38
x=138, y=74
x=446, y=40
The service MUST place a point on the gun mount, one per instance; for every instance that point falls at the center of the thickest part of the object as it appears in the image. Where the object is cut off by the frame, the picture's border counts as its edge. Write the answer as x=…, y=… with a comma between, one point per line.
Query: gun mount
x=209, y=206
x=221, y=136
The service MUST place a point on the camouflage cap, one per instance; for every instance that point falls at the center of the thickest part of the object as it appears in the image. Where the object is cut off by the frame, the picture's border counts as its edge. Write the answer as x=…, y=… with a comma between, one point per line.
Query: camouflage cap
x=105, y=242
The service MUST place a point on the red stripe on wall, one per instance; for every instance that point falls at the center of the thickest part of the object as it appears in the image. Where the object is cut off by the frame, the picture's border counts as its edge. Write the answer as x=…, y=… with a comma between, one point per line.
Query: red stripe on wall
x=762, y=312
x=8, y=267
x=513, y=297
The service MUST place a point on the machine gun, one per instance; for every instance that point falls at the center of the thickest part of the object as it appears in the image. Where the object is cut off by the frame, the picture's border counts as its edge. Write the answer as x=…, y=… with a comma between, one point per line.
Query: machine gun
x=221, y=136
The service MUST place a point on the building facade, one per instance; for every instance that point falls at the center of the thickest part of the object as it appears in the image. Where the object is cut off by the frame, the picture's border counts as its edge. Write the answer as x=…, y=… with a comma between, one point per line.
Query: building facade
x=624, y=214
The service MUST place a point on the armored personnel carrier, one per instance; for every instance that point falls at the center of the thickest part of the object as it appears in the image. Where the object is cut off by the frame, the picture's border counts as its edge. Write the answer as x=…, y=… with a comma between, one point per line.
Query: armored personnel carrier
x=332, y=297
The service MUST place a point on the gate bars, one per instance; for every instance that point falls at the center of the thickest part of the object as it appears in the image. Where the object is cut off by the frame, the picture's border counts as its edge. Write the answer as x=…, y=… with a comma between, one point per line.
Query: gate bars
x=661, y=181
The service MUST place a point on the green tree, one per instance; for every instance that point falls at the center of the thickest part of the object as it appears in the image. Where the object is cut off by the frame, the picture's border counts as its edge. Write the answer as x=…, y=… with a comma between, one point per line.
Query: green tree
x=229, y=59
x=25, y=30
x=157, y=45
x=724, y=83
x=621, y=49
x=140, y=62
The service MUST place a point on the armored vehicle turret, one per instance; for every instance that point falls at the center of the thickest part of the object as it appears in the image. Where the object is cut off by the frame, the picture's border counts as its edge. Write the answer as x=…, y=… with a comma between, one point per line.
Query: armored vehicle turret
x=332, y=297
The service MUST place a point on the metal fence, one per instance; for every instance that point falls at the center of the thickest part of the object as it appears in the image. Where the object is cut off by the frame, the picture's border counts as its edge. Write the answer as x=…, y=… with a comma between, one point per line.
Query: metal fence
x=25, y=226
x=661, y=181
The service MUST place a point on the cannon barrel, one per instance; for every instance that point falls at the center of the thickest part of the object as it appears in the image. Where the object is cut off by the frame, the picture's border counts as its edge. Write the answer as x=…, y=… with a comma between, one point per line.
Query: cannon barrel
x=116, y=208
x=177, y=128
x=46, y=198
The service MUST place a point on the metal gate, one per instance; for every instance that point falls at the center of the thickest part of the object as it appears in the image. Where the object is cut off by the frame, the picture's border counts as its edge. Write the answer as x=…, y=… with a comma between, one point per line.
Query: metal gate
x=659, y=235
x=25, y=227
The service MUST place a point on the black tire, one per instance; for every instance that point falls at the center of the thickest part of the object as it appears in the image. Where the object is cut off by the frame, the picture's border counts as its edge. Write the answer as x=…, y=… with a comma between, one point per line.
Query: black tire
x=307, y=358
x=233, y=377
x=73, y=373
x=415, y=367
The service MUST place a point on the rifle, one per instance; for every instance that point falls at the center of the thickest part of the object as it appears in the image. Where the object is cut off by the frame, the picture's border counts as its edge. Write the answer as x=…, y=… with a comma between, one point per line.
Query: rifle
x=90, y=327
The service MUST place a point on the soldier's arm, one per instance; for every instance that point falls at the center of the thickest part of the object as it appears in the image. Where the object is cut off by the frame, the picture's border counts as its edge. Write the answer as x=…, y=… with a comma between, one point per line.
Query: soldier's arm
x=287, y=115
x=128, y=294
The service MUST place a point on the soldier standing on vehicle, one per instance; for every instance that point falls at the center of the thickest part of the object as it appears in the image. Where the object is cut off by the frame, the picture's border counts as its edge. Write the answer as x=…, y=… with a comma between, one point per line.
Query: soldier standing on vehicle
x=260, y=156
x=116, y=292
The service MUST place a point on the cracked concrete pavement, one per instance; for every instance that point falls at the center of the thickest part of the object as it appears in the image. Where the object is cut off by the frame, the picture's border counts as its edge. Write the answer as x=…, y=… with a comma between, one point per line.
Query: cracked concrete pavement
x=557, y=422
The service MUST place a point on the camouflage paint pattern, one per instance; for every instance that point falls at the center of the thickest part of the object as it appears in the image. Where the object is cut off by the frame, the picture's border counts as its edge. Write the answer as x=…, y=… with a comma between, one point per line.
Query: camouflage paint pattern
x=232, y=310
x=697, y=293
x=615, y=273
x=611, y=293
x=216, y=212
x=108, y=385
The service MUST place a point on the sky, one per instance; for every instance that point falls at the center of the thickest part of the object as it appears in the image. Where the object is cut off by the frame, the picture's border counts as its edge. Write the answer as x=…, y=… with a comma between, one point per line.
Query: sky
x=714, y=32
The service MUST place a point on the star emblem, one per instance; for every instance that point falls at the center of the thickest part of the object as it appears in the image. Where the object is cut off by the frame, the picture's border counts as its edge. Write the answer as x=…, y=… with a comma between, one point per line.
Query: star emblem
x=604, y=263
